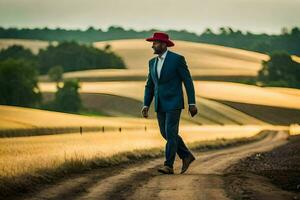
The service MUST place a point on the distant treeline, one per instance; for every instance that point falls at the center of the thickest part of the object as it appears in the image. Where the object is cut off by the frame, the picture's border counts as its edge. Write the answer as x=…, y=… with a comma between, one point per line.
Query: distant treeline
x=288, y=40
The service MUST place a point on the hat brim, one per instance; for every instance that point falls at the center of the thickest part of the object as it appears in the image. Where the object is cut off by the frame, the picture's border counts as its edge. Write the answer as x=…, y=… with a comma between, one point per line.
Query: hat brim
x=168, y=42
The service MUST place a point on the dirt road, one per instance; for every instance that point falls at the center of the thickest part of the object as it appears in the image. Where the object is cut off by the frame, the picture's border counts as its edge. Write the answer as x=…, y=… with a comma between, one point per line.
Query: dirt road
x=203, y=180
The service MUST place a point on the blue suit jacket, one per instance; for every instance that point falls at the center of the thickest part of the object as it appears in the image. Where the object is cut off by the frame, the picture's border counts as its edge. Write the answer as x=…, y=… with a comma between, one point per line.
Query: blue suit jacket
x=167, y=90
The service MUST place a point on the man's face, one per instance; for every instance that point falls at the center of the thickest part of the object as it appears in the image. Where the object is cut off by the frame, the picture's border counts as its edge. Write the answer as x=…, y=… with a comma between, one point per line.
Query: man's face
x=158, y=47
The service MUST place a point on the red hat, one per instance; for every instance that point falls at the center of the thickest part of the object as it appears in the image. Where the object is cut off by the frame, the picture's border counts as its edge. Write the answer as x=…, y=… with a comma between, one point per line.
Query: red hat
x=161, y=37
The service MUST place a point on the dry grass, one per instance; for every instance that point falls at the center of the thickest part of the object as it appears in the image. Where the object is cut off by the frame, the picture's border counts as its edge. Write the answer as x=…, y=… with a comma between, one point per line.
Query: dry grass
x=16, y=120
x=290, y=91
x=296, y=58
x=294, y=129
x=23, y=155
x=42, y=118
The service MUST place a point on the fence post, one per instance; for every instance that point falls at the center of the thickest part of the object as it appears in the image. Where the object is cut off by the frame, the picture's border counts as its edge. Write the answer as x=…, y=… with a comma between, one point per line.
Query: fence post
x=80, y=130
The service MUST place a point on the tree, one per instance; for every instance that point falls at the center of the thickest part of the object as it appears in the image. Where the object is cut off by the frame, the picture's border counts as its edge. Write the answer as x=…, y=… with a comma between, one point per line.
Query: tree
x=295, y=31
x=280, y=69
x=17, y=52
x=107, y=47
x=67, y=98
x=56, y=74
x=223, y=31
x=18, y=83
x=263, y=47
x=72, y=56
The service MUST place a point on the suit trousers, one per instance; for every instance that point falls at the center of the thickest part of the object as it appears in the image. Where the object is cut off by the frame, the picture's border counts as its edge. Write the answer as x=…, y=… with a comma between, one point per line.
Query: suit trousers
x=169, y=125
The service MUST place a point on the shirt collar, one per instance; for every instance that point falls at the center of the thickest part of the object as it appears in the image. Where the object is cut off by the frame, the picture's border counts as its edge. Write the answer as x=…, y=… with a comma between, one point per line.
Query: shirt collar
x=163, y=55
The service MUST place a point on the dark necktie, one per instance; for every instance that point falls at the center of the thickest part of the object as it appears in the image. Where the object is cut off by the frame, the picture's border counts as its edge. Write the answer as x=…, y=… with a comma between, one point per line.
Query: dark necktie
x=156, y=64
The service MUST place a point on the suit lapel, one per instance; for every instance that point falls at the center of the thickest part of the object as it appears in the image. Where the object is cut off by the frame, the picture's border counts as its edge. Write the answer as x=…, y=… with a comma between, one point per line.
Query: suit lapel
x=154, y=69
x=164, y=65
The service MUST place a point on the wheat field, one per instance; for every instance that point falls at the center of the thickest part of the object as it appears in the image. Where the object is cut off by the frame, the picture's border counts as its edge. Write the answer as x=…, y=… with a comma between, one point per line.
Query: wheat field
x=12, y=117
x=238, y=92
x=26, y=155
x=290, y=91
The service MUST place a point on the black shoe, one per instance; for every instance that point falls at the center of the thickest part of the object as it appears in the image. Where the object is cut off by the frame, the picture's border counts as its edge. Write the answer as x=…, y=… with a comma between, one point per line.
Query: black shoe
x=166, y=170
x=186, y=163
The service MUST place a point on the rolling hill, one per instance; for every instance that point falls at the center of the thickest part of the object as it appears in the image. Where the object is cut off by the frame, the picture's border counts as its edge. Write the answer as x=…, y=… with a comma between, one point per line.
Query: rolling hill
x=208, y=94
x=199, y=56
x=15, y=120
x=210, y=112
x=124, y=98
x=206, y=61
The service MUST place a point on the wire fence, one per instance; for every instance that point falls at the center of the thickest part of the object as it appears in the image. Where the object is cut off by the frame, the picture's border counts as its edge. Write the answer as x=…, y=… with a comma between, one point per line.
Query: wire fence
x=60, y=130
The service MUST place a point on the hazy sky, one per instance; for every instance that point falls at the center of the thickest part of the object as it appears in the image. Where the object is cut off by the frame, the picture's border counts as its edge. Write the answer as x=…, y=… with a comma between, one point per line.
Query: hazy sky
x=193, y=15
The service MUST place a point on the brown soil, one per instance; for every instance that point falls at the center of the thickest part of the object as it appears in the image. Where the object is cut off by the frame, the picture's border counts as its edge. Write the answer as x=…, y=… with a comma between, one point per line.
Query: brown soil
x=275, y=174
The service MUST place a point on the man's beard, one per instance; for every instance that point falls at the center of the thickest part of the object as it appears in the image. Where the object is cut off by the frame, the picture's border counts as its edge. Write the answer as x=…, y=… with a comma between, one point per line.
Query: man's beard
x=157, y=51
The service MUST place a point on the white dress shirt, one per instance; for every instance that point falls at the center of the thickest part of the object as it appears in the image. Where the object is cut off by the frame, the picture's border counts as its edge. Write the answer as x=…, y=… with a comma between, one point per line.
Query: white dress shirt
x=160, y=62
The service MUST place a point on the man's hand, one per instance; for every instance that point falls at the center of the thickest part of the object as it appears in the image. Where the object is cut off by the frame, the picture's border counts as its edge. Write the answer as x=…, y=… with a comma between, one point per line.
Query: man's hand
x=145, y=111
x=193, y=110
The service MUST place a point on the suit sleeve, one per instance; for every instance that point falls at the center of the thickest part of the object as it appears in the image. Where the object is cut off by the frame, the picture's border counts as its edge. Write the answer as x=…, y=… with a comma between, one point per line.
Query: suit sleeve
x=187, y=80
x=149, y=90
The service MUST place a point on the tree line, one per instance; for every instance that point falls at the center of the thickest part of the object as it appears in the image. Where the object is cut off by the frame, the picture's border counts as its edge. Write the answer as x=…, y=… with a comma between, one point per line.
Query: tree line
x=288, y=40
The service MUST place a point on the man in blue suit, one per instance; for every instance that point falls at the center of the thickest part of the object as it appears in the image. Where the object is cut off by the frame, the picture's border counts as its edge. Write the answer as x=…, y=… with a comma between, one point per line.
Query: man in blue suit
x=167, y=72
